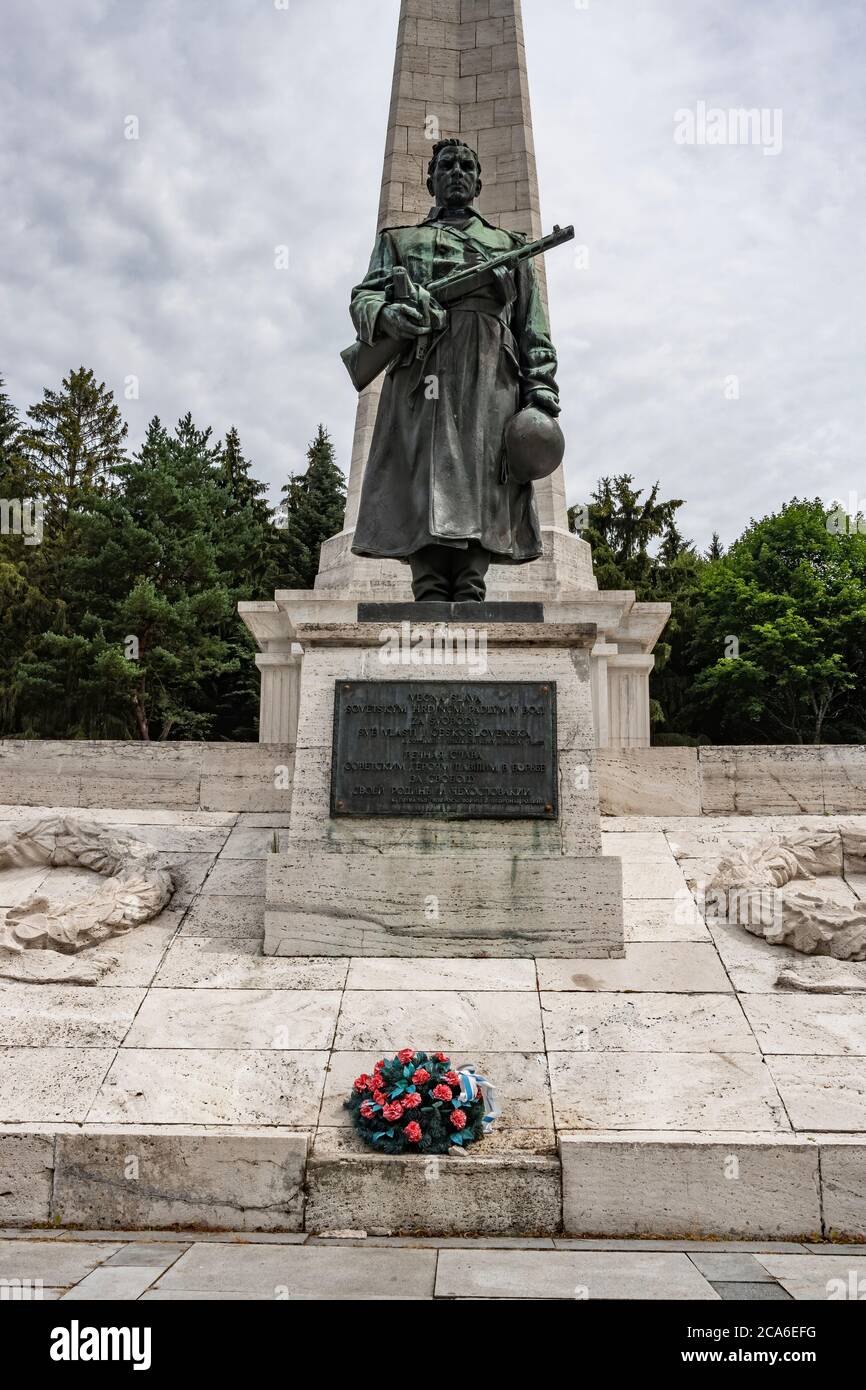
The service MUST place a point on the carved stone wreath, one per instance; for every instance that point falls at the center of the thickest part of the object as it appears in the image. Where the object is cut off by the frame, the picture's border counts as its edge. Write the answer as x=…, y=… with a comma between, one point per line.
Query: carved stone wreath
x=36, y=932
x=807, y=922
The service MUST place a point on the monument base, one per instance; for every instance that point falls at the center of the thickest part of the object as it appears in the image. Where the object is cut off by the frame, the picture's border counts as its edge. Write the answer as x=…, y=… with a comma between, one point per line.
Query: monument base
x=481, y=904
x=514, y=866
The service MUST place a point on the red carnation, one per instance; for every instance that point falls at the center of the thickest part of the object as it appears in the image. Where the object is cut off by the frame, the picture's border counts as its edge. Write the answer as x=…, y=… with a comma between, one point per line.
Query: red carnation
x=440, y=1057
x=452, y=1078
x=362, y=1082
x=380, y=1098
x=420, y=1076
x=393, y=1111
x=441, y=1092
x=367, y=1110
x=377, y=1081
x=411, y=1100
x=413, y=1131
x=458, y=1119
x=380, y=1064
x=406, y=1055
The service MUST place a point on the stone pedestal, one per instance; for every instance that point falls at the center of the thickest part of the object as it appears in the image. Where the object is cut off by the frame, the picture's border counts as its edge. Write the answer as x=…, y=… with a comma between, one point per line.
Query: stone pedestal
x=620, y=660
x=407, y=886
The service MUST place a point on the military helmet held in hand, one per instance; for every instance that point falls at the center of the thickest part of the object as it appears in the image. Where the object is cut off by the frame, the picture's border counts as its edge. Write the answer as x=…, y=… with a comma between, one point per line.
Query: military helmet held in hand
x=534, y=445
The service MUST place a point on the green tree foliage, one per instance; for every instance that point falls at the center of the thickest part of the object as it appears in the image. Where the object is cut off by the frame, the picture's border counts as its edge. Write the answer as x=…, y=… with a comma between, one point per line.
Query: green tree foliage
x=778, y=648
x=74, y=443
x=622, y=528
x=637, y=545
x=314, y=504
x=11, y=462
x=123, y=623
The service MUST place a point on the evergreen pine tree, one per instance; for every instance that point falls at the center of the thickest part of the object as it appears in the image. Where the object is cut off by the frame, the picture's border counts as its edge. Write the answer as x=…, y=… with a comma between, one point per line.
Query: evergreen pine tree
x=715, y=549
x=622, y=526
x=9, y=429
x=313, y=509
x=147, y=608
x=74, y=443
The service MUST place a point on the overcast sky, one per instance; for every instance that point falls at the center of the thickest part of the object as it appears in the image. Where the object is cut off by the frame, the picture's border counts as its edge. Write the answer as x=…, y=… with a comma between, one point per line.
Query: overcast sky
x=261, y=127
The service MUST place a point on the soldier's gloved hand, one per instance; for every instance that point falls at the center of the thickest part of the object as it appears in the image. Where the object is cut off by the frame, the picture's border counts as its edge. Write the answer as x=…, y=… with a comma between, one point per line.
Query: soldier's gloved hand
x=411, y=318
x=544, y=400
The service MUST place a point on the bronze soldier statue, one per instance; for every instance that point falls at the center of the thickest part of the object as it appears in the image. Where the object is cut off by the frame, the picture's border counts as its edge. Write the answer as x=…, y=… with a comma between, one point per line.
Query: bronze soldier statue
x=438, y=491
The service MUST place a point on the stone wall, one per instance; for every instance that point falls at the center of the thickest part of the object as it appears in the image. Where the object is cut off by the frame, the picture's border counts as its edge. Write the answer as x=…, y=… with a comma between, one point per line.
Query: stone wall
x=746, y=780
x=172, y=776
x=784, y=779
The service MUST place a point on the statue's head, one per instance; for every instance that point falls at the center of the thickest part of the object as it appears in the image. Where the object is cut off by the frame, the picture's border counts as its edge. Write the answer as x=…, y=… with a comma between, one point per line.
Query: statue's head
x=454, y=174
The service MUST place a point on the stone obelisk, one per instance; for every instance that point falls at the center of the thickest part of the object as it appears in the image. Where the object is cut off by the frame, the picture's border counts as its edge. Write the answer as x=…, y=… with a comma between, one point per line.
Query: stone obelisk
x=460, y=70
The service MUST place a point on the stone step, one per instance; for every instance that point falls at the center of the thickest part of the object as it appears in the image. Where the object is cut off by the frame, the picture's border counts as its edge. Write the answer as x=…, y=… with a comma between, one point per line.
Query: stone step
x=773, y=1186
x=506, y=1193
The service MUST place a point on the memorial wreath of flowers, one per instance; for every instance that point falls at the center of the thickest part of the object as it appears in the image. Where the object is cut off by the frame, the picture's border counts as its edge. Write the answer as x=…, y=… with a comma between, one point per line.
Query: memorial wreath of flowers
x=416, y=1103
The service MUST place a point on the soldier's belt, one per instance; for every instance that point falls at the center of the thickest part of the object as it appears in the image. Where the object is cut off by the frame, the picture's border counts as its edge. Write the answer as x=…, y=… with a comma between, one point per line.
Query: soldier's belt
x=481, y=306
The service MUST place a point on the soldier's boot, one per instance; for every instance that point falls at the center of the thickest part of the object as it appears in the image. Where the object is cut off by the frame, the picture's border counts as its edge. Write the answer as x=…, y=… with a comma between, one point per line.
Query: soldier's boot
x=445, y=574
x=431, y=574
x=469, y=574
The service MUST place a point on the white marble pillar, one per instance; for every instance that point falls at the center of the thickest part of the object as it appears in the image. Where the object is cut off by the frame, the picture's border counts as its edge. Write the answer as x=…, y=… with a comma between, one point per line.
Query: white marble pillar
x=628, y=699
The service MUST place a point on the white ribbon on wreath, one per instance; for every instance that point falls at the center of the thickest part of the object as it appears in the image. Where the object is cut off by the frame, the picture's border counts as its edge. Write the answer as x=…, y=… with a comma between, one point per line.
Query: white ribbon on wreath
x=473, y=1085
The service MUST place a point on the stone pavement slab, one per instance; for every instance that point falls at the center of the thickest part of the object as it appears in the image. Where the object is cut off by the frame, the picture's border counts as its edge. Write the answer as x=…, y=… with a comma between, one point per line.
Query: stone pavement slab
x=663, y=1023
x=663, y=919
x=823, y=1025
x=754, y=964
x=287, y=1019
x=391, y=973
x=124, y=1282
x=134, y=960
x=652, y=878
x=692, y=1091
x=839, y=1278
x=66, y=1015
x=683, y=967
x=56, y=1263
x=731, y=1268
x=204, y=962
x=456, y=1020
x=209, y=1086
x=147, y=1253
x=45, y=1084
x=566, y=1274
x=824, y=1093
x=196, y=1296
x=226, y=915
x=251, y=842
x=304, y=1272
x=751, y=1293
x=241, y=878
x=648, y=844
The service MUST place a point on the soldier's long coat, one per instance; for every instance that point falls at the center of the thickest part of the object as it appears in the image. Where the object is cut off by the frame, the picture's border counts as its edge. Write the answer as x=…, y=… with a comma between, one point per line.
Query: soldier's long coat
x=436, y=467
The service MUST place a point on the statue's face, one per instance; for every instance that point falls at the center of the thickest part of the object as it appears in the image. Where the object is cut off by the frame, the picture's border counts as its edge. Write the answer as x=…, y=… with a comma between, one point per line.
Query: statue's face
x=454, y=182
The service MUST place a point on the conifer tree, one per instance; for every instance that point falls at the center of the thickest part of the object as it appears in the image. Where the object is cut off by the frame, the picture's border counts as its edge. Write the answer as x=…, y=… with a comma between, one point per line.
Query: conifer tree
x=313, y=510
x=74, y=442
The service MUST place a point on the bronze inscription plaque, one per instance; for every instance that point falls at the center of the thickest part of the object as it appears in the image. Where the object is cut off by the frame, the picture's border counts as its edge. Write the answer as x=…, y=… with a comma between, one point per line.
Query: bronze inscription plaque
x=446, y=750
